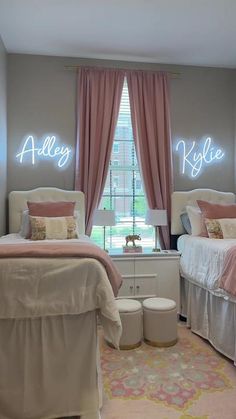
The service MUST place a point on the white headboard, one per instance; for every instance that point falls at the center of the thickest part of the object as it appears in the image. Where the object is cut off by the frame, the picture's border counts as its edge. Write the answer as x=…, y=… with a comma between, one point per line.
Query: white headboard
x=179, y=200
x=18, y=203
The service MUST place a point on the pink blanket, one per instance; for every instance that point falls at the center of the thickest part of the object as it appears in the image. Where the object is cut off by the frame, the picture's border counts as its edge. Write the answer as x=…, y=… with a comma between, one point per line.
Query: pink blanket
x=228, y=278
x=54, y=250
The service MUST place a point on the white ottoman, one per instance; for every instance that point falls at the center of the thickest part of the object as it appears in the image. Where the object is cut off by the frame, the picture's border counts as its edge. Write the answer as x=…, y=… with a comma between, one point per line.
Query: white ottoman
x=160, y=321
x=132, y=323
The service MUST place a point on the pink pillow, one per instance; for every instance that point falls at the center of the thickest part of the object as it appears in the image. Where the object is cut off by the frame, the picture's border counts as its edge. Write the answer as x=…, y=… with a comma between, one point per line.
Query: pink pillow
x=211, y=210
x=50, y=209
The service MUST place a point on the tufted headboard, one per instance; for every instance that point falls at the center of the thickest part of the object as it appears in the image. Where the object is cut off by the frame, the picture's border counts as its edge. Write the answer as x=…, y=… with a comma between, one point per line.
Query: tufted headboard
x=179, y=200
x=18, y=203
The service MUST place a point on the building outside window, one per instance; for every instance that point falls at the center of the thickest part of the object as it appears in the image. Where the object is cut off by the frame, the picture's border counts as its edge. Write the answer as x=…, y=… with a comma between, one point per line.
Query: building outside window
x=138, y=184
x=123, y=191
x=116, y=147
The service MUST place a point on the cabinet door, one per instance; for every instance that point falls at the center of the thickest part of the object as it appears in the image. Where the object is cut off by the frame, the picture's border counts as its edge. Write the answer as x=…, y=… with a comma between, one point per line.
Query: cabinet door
x=168, y=278
x=146, y=285
x=126, y=269
x=146, y=278
x=127, y=287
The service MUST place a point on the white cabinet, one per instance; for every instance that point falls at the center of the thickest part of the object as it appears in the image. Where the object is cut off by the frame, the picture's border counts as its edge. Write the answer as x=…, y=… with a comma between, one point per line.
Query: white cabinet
x=149, y=274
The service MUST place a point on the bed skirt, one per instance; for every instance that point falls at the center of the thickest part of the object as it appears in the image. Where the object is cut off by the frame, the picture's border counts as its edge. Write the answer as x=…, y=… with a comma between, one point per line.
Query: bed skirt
x=50, y=367
x=210, y=316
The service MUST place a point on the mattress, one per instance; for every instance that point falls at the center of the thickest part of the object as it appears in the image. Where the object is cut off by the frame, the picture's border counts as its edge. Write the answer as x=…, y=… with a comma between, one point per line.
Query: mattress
x=17, y=238
x=202, y=261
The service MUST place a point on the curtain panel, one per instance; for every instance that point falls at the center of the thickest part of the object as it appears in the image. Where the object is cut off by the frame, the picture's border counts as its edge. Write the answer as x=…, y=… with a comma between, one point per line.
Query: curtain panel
x=98, y=100
x=150, y=114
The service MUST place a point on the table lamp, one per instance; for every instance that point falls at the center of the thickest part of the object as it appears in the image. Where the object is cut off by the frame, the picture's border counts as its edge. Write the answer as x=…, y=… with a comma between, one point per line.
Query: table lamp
x=105, y=218
x=156, y=218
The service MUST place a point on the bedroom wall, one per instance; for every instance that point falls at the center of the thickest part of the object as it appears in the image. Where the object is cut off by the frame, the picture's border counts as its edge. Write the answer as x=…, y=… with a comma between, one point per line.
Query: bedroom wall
x=42, y=97
x=3, y=137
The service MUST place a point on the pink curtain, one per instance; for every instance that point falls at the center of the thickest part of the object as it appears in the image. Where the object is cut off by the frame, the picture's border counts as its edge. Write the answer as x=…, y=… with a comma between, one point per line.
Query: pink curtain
x=149, y=103
x=98, y=101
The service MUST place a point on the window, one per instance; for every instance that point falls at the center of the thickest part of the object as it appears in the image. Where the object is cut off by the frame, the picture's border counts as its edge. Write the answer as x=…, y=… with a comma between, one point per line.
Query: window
x=123, y=191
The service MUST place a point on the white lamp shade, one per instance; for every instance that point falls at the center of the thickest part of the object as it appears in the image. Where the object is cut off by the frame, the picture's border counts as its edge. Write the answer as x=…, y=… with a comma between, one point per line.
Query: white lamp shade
x=104, y=218
x=156, y=217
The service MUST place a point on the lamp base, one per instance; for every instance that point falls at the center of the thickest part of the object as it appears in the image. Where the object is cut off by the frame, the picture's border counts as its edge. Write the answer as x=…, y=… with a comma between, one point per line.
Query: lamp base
x=156, y=249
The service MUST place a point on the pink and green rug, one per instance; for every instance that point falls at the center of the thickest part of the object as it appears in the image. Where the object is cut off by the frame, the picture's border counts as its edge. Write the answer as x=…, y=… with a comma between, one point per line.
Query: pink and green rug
x=187, y=381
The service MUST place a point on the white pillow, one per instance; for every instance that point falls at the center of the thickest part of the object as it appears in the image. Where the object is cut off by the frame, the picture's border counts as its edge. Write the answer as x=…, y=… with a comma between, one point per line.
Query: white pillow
x=195, y=218
x=25, y=223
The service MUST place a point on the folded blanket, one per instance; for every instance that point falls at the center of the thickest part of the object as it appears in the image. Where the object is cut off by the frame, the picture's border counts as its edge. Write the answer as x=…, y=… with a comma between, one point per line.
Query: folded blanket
x=54, y=250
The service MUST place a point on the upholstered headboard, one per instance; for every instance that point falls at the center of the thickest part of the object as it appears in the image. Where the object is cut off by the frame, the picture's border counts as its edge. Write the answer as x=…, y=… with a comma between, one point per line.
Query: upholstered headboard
x=18, y=203
x=179, y=200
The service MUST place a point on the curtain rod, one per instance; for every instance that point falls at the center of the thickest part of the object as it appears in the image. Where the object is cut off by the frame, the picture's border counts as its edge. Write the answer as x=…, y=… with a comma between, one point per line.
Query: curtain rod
x=175, y=74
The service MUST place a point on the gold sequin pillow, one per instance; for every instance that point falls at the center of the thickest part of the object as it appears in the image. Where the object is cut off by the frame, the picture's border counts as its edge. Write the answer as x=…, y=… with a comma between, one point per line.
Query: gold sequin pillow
x=48, y=228
x=213, y=228
x=228, y=227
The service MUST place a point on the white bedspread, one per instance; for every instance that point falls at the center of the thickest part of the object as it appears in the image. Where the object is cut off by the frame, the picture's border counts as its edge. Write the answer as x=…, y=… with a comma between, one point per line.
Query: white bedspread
x=202, y=261
x=31, y=288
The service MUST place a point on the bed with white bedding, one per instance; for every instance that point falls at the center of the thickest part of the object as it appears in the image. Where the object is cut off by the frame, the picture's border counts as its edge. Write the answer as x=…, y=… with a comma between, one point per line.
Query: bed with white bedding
x=209, y=309
x=49, y=357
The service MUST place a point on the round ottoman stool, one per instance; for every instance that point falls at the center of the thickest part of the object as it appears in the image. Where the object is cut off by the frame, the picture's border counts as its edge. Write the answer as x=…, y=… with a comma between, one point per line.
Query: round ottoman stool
x=132, y=323
x=160, y=322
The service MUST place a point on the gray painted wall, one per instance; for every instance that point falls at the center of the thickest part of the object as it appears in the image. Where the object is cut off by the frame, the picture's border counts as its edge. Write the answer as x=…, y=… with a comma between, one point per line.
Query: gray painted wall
x=3, y=137
x=202, y=105
x=42, y=97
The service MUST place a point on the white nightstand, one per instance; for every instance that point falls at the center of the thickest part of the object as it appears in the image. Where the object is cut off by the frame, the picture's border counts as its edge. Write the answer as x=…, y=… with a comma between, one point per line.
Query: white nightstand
x=149, y=274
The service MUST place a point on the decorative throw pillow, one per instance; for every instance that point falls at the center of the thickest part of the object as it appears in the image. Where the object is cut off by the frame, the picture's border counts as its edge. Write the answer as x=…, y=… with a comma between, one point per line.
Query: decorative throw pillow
x=25, y=230
x=214, y=228
x=196, y=221
x=186, y=222
x=51, y=208
x=216, y=211
x=228, y=227
x=48, y=228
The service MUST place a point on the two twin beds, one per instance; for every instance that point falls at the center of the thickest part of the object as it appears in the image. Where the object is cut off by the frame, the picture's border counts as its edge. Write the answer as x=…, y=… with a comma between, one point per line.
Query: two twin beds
x=209, y=309
x=49, y=355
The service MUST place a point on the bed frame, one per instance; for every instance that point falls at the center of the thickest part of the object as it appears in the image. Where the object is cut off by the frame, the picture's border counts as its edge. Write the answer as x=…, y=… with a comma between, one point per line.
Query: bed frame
x=208, y=315
x=83, y=332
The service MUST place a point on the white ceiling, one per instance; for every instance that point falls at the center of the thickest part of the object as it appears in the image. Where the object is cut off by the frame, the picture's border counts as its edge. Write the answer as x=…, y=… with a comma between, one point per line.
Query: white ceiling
x=192, y=32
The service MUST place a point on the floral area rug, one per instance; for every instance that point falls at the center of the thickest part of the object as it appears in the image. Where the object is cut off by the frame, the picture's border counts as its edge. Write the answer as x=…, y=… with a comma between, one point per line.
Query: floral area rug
x=187, y=381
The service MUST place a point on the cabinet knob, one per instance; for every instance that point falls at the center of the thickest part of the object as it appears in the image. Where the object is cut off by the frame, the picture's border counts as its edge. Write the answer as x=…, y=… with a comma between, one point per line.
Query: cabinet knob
x=131, y=287
x=137, y=287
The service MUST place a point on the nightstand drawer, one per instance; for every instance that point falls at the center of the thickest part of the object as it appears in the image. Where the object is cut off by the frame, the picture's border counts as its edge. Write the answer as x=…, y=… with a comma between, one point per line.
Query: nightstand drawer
x=125, y=267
